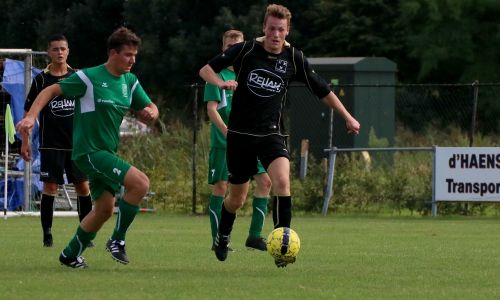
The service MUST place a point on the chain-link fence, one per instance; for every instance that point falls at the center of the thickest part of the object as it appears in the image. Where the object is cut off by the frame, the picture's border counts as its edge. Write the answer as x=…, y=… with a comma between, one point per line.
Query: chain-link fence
x=391, y=116
x=402, y=115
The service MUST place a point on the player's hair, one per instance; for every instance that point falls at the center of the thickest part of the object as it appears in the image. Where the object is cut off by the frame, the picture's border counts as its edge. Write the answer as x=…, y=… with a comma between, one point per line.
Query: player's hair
x=278, y=11
x=122, y=37
x=232, y=34
x=56, y=38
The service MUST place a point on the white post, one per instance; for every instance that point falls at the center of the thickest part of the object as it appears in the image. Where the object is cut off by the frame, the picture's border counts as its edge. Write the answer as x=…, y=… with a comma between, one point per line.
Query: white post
x=5, y=196
x=434, y=203
x=27, y=164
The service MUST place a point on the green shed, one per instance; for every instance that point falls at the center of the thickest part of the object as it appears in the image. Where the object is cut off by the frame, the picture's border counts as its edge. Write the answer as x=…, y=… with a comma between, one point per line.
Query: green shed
x=366, y=86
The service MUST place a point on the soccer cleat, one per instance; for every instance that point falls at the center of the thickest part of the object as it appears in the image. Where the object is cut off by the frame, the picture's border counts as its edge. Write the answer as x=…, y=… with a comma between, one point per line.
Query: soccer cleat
x=220, y=246
x=47, y=240
x=117, y=250
x=256, y=243
x=229, y=248
x=73, y=262
x=283, y=262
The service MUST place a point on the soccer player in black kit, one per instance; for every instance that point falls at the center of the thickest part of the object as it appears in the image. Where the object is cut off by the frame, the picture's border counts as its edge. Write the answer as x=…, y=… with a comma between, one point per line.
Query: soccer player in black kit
x=55, y=136
x=264, y=68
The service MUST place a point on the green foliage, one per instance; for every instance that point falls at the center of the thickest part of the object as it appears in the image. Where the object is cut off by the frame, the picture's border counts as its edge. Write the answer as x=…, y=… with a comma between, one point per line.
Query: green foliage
x=394, y=182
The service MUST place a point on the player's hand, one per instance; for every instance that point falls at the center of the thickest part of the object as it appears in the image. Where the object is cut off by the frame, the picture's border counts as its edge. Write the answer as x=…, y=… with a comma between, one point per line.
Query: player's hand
x=147, y=114
x=353, y=126
x=229, y=85
x=25, y=125
x=25, y=151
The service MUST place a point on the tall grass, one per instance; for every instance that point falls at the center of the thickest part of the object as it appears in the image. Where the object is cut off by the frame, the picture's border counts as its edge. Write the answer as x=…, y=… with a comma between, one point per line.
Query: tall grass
x=398, y=183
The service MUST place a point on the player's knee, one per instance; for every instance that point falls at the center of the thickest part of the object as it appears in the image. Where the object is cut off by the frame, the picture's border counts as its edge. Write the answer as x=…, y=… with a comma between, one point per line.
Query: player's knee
x=281, y=182
x=104, y=213
x=50, y=188
x=220, y=188
x=82, y=188
x=236, y=202
x=264, y=184
x=139, y=185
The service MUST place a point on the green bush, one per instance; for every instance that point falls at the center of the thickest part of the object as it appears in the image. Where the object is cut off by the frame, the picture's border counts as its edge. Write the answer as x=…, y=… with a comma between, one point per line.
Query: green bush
x=387, y=182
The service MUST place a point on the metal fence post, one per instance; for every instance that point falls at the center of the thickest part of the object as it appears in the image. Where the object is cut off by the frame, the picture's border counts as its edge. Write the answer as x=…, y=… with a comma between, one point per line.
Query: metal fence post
x=28, y=61
x=475, y=86
x=434, y=203
x=329, y=184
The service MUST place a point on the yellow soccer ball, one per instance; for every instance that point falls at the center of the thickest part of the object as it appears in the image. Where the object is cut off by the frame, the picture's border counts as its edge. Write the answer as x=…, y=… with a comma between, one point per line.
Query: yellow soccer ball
x=283, y=243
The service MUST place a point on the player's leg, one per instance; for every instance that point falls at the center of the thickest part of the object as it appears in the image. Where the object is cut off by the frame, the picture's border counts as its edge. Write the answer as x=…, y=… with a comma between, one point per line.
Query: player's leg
x=51, y=174
x=217, y=176
x=81, y=184
x=88, y=228
x=259, y=209
x=274, y=156
x=234, y=201
x=47, y=212
x=241, y=164
x=105, y=172
x=136, y=185
x=279, y=172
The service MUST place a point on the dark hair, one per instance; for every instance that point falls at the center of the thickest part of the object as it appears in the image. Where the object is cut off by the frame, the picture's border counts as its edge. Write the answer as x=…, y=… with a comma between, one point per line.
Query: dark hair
x=121, y=37
x=55, y=38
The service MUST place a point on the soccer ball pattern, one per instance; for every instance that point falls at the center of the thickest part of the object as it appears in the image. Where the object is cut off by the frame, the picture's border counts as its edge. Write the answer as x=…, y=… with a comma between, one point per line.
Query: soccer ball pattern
x=283, y=243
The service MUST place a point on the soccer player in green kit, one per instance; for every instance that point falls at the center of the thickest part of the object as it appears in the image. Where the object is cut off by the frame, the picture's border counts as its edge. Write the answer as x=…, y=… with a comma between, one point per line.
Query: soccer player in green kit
x=104, y=93
x=218, y=109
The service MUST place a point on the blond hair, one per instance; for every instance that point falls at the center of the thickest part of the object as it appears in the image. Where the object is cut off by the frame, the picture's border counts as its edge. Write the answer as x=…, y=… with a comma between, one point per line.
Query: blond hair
x=278, y=11
x=232, y=34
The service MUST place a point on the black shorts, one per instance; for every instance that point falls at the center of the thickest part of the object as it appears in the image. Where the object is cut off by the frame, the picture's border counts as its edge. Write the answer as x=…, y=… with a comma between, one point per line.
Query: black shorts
x=244, y=150
x=53, y=165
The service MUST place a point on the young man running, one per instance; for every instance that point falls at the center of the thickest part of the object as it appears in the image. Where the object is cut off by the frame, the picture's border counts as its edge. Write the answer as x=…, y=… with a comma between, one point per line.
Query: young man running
x=218, y=109
x=104, y=93
x=264, y=68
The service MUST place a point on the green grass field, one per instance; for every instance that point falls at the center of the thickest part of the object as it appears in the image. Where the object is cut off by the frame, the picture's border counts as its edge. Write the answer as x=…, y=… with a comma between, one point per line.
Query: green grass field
x=342, y=257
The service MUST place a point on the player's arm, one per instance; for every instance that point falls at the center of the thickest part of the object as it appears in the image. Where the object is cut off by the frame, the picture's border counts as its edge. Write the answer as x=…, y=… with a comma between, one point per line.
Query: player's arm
x=25, y=145
x=215, y=117
x=208, y=74
x=26, y=124
x=25, y=138
x=149, y=113
x=334, y=102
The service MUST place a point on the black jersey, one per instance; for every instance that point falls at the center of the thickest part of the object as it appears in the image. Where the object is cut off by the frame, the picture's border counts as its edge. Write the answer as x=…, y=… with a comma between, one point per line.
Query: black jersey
x=263, y=80
x=56, y=118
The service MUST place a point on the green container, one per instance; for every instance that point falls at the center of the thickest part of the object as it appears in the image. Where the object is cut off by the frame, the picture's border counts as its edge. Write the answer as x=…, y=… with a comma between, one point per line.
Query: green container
x=372, y=103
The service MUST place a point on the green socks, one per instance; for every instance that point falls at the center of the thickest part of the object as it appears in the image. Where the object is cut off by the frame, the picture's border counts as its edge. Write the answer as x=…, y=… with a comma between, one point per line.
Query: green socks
x=126, y=215
x=214, y=209
x=258, y=216
x=78, y=243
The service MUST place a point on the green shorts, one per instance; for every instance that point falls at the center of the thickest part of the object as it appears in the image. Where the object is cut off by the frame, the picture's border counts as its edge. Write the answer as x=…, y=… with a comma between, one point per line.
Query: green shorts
x=217, y=166
x=105, y=171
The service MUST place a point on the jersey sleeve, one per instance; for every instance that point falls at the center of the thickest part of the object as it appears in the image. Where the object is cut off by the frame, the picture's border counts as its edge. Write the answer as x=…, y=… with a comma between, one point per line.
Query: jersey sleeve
x=139, y=97
x=226, y=58
x=32, y=94
x=211, y=93
x=306, y=74
x=73, y=86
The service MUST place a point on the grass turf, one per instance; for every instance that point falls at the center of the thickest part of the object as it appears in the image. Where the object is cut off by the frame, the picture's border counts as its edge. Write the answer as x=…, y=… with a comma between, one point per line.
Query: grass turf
x=342, y=257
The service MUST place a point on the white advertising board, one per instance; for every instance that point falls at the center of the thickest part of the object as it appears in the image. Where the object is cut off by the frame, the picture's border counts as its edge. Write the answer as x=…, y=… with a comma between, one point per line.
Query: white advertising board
x=467, y=174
